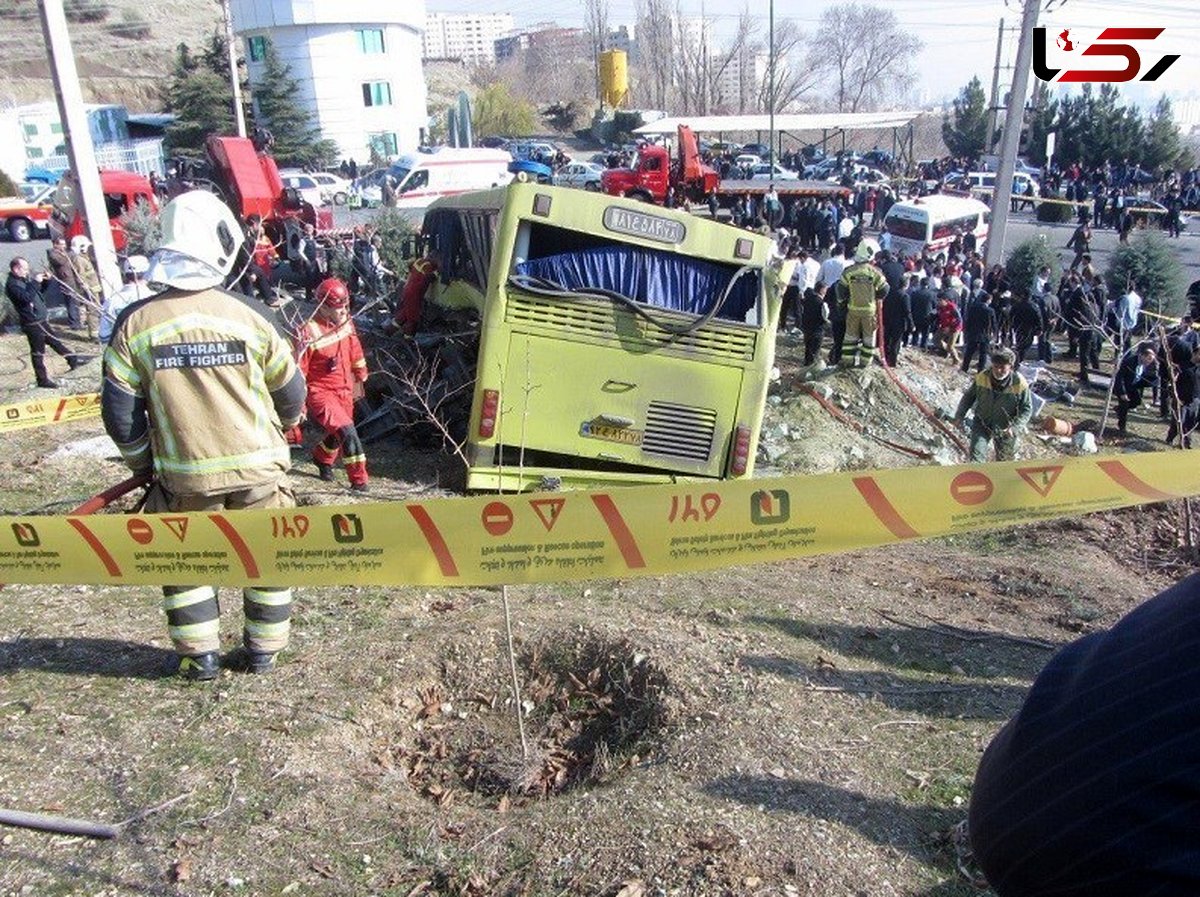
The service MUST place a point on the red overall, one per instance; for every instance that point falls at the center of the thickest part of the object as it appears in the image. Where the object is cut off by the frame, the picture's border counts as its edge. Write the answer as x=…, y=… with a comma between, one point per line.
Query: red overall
x=331, y=359
x=420, y=276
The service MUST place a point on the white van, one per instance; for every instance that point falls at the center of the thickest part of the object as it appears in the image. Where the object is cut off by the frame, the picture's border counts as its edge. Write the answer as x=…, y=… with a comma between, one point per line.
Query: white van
x=424, y=176
x=931, y=222
x=985, y=181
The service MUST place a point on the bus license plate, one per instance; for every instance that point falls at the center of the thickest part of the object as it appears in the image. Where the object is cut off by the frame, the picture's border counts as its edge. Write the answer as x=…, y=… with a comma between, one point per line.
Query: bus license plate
x=623, y=435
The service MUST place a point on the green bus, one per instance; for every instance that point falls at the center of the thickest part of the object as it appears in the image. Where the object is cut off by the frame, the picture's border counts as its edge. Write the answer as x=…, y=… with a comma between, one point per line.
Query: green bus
x=619, y=342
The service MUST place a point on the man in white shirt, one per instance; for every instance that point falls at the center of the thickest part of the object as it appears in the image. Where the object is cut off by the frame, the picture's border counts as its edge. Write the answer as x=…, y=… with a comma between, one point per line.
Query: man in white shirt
x=1129, y=310
x=832, y=268
x=811, y=273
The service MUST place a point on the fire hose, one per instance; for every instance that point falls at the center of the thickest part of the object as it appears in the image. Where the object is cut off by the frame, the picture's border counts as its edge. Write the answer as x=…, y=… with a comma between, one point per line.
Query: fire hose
x=921, y=406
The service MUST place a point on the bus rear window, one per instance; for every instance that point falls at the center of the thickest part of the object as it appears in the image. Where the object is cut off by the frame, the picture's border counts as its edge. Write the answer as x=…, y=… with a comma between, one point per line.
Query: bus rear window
x=578, y=261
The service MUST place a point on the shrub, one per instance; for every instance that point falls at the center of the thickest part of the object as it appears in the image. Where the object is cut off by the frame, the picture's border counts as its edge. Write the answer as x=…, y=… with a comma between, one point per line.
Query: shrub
x=1026, y=260
x=85, y=10
x=1055, y=212
x=7, y=187
x=143, y=229
x=133, y=25
x=1148, y=260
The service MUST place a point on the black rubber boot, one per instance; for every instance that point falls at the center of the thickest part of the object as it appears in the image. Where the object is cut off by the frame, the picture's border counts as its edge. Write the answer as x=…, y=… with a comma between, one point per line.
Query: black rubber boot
x=259, y=662
x=200, y=667
x=325, y=472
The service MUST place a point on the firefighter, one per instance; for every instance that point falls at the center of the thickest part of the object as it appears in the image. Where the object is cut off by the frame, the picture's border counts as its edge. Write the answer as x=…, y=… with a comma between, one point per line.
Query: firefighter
x=412, y=297
x=862, y=287
x=198, y=388
x=331, y=358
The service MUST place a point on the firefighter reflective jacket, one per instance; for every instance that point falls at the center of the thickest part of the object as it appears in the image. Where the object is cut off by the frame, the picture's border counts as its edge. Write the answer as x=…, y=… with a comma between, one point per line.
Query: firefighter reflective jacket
x=863, y=284
x=200, y=386
x=330, y=355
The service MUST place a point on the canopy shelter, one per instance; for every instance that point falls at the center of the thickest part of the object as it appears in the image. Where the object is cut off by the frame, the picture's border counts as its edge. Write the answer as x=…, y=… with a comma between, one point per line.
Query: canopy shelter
x=836, y=122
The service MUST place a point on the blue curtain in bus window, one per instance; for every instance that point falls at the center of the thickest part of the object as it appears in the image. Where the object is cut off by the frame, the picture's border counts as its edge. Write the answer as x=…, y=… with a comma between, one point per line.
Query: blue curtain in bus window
x=657, y=279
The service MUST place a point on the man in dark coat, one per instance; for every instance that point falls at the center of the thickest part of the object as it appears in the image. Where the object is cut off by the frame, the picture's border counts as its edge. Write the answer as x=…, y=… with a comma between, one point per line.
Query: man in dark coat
x=26, y=296
x=979, y=323
x=1027, y=322
x=897, y=319
x=1137, y=371
x=922, y=302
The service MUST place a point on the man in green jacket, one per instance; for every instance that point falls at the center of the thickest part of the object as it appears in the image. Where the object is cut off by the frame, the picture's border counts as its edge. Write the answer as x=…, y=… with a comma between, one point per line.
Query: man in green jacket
x=1003, y=406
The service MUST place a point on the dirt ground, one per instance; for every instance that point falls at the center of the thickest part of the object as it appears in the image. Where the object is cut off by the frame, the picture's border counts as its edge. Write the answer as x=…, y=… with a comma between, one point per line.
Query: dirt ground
x=801, y=728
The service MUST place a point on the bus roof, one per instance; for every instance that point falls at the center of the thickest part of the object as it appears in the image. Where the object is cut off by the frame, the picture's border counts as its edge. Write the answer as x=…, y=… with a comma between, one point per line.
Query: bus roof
x=939, y=205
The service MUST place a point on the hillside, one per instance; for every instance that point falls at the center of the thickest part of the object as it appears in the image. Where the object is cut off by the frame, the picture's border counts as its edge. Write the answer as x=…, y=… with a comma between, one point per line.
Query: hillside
x=112, y=69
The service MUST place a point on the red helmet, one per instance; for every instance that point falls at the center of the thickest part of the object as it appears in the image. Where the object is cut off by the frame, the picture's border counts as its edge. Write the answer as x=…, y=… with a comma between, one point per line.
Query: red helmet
x=332, y=293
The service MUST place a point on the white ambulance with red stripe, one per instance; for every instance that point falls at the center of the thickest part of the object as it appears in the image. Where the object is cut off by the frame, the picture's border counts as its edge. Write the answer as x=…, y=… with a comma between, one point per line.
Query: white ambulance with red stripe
x=932, y=222
x=422, y=177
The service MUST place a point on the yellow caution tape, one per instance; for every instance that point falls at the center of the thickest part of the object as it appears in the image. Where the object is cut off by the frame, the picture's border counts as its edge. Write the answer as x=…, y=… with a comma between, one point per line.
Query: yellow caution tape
x=548, y=537
x=54, y=410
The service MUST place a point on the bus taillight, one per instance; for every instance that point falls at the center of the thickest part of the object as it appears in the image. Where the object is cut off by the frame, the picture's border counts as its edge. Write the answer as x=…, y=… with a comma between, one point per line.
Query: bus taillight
x=487, y=414
x=741, y=451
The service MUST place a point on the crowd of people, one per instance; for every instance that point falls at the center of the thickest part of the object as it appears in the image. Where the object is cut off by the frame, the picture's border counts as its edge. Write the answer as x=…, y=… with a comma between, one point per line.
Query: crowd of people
x=950, y=303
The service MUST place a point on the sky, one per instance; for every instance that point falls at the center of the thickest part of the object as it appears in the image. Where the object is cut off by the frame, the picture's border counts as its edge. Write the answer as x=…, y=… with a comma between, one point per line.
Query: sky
x=959, y=35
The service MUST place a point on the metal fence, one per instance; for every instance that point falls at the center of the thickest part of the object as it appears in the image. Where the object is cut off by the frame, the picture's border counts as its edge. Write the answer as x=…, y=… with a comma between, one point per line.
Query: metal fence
x=142, y=156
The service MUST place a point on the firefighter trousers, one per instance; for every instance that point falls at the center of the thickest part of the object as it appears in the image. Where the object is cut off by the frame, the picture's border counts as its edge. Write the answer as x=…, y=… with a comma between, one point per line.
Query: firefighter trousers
x=193, y=614
x=333, y=412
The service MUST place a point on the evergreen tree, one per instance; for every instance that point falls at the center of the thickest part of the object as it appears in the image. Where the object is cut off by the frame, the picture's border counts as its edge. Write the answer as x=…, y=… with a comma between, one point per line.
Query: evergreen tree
x=967, y=134
x=297, y=140
x=202, y=102
x=1149, y=262
x=1162, y=146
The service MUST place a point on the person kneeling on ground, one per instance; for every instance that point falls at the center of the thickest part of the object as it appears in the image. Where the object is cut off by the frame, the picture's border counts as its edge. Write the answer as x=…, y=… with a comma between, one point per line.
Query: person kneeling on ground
x=331, y=360
x=1003, y=405
x=1090, y=790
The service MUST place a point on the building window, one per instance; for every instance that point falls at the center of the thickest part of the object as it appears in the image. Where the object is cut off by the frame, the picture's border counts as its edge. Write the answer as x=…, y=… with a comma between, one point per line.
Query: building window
x=31, y=130
x=34, y=152
x=256, y=46
x=383, y=143
x=55, y=128
x=377, y=93
x=370, y=40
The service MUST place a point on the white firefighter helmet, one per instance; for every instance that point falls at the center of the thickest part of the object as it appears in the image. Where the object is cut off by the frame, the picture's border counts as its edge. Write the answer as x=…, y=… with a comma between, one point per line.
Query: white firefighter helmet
x=80, y=244
x=200, y=239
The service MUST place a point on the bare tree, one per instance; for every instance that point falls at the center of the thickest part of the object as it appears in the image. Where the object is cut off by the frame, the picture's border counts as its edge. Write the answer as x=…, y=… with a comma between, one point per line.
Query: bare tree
x=793, y=79
x=656, y=51
x=596, y=22
x=867, y=53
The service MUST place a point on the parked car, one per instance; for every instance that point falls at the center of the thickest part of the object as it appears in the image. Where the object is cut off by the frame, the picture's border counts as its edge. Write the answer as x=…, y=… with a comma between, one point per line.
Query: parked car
x=1150, y=212
x=762, y=172
x=878, y=158
x=304, y=184
x=859, y=174
x=585, y=175
x=494, y=142
x=758, y=149
x=335, y=189
x=28, y=215
x=531, y=149
x=747, y=160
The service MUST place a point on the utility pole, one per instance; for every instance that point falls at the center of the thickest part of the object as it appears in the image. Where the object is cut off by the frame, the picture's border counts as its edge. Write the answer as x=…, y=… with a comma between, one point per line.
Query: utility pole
x=234, y=80
x=771, y=89
x=78, y=139
x=994, y=104
x=1013, y=120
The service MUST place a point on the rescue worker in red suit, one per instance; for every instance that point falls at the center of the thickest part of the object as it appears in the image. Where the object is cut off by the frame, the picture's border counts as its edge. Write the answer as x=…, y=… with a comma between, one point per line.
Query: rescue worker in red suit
x=331, y=358
x=421, y=274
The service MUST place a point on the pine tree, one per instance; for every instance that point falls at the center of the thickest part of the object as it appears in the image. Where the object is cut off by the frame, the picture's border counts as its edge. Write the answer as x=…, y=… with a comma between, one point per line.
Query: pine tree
x=967, y=135
x=202, y=102
x=1162, y=147
x=297, y=140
